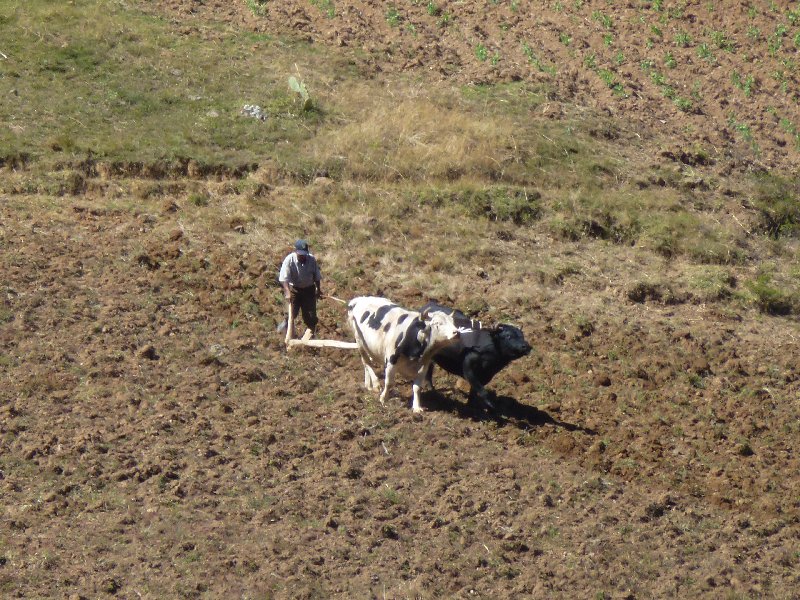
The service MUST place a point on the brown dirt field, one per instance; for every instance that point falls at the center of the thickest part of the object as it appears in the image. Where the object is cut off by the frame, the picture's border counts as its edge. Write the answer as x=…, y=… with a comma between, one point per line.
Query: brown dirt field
x=157, y=441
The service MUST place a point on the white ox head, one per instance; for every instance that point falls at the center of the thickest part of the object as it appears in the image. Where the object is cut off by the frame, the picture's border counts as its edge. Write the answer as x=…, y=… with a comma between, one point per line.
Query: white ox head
x=439, y=331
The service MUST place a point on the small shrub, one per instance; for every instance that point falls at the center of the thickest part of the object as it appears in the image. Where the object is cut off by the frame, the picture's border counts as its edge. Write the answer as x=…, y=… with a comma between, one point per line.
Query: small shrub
x=603, y=19
x=326, y=6
x=502, y=204
x=658, y=78
x=704, y=52
x=745, y=84
x=776, y=200
x=655, y=292
x=722, y=41
x=743, y=128
x=775, y=40
x=770, y=299
x=610, y=79
x=713, y=284
x=602, y=225
x=788, y=126
x=745, y=449
x=299, y=88
x=257, y=7
x=683, y=40
x=393, y=16
x=584, y=325
x=534, y=60
x=198, y=199
x=683, y=104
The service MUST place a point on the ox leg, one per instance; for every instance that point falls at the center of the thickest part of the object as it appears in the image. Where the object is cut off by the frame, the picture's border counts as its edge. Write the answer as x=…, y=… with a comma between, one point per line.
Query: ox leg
x=367, y=380
x=428, y=382
x=374, y=382
x=478, y=394
x=422, y=376
x=415, y=386
x=370, y=378
x=481, y=397
x=388, y=379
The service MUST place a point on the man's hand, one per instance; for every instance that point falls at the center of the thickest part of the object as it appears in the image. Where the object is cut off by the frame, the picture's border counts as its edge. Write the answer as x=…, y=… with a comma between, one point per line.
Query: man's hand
x=319, y=293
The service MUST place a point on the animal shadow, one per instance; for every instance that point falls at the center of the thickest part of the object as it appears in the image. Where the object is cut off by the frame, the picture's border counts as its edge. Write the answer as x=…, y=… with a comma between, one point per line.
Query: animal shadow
x=508, y=411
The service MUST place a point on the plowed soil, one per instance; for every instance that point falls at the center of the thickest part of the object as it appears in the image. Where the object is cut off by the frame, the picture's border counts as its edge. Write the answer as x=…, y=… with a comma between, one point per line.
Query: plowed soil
x=690, y=76
x=158, y=441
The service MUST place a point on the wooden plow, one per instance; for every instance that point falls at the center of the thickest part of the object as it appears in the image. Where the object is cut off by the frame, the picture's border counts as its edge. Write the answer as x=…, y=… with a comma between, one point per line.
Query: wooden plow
x=307, y=341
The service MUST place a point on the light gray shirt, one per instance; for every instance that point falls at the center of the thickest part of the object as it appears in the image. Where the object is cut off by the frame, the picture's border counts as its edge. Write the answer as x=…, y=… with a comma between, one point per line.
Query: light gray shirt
x=297, y=275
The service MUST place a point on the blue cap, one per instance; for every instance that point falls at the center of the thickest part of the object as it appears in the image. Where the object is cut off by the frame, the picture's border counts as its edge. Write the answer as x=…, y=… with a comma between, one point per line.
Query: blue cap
x=301, y=247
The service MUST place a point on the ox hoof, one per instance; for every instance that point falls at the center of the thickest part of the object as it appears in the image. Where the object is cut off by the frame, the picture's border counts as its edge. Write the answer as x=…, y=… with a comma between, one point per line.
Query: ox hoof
x=483, y=404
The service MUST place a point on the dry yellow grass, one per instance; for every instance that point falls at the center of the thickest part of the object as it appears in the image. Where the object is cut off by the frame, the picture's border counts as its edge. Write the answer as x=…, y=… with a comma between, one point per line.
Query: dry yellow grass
x=405, y=134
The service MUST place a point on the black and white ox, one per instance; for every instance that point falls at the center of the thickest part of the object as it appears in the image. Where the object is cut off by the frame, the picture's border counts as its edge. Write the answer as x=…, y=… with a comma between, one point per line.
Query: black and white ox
x=478, y=355
x=393, y=340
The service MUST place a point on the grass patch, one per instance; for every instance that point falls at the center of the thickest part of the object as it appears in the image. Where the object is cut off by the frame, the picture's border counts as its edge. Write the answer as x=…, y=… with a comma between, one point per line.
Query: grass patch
x=712, y=283
x=498, y=203
x=776, y=200
x=119, y=85
x=773, y=296
x=612, y=217
x=683, y=233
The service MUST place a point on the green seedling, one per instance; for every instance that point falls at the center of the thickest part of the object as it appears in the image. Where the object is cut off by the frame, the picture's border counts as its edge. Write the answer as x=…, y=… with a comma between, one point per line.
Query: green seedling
x=299, y=88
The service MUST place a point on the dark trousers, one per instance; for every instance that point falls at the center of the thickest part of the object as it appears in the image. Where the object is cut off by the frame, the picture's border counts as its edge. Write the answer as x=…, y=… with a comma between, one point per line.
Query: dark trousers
x=304, y=301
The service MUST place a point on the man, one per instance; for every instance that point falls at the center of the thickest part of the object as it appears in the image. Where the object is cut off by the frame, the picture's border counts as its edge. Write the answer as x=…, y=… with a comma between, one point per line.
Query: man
x=301, y=280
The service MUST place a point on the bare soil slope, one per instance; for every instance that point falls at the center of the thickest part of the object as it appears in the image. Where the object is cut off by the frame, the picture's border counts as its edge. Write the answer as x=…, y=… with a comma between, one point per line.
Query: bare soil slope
x=157, y=441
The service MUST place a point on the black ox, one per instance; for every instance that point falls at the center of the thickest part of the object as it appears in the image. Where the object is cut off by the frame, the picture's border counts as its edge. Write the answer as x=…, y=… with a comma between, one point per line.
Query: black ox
x=478, y=355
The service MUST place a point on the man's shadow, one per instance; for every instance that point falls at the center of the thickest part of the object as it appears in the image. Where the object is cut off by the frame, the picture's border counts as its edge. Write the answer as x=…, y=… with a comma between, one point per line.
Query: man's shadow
x=508, y=411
